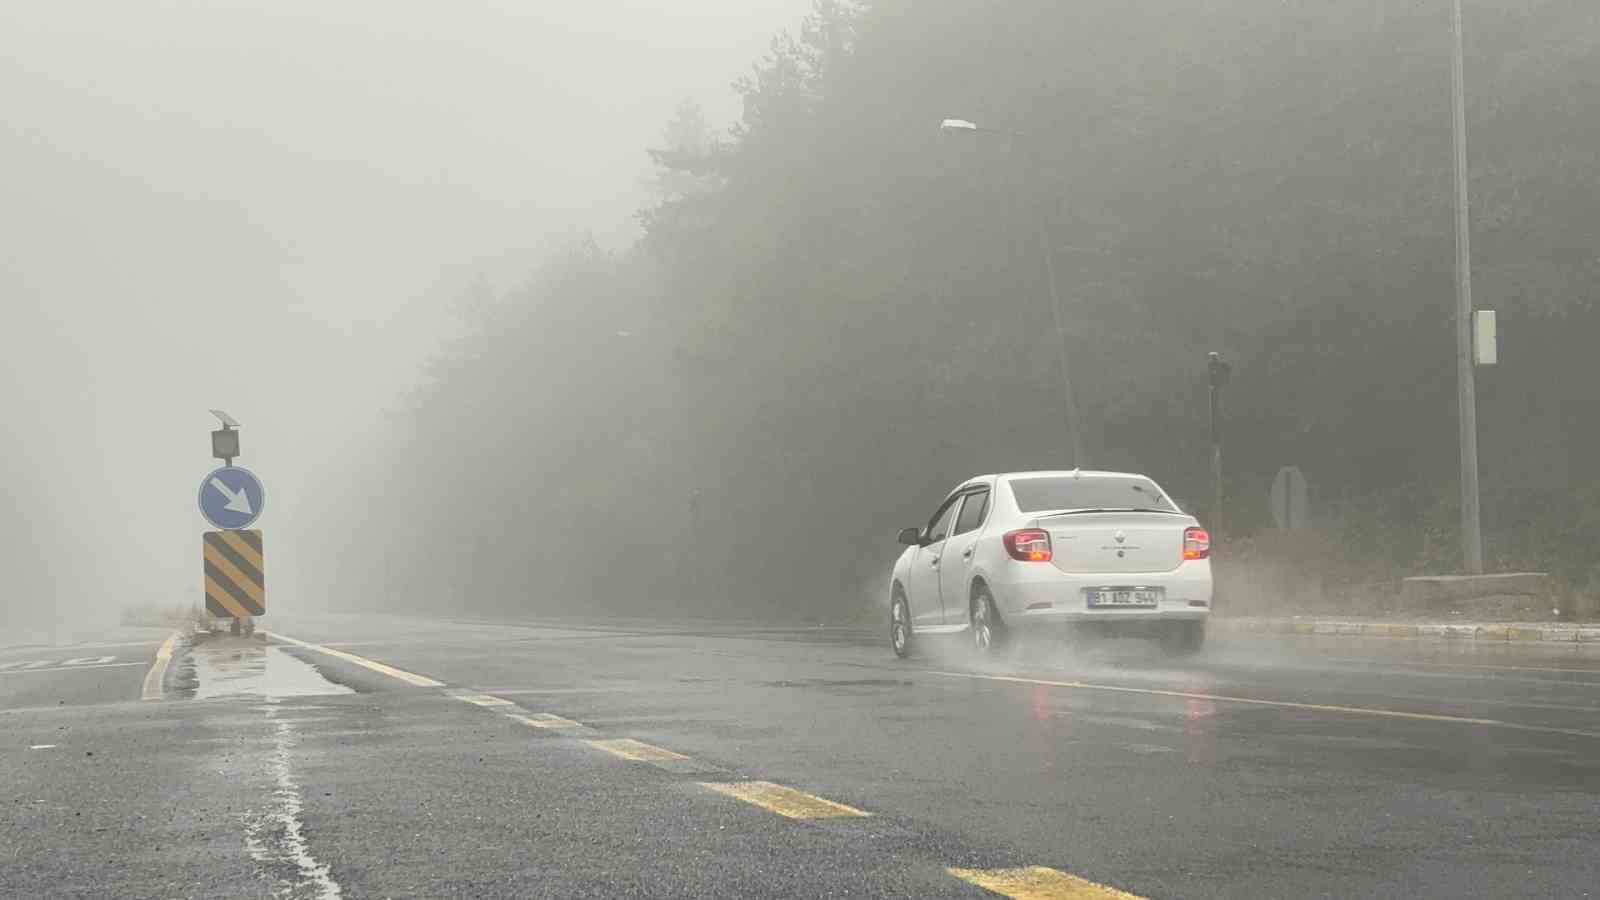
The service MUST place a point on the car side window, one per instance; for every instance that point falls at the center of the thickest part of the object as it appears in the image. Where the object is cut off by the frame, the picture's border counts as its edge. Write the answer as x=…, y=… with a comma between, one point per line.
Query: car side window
x=939, y=528
x=972, y=512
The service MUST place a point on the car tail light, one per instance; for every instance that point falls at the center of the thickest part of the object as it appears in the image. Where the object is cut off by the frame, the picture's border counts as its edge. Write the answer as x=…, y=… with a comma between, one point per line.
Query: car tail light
x=1028, y=545
x=1196, y=543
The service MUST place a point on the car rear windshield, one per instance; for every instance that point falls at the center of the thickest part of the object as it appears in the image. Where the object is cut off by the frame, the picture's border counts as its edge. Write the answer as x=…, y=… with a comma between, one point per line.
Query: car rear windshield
x=1097, y=492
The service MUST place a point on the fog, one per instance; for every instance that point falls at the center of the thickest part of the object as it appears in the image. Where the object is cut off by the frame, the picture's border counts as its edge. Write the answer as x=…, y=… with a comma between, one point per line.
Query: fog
x=623, y=307
x=270, y=209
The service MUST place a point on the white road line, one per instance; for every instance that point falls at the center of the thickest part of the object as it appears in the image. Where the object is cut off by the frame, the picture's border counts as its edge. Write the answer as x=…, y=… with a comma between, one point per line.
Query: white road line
x=278, y=836
x=68, y=647
x=157, y=676
x=1279, y=704
x=411, y=678
x=69, y=668
x=42, y=747
x=1436, y=664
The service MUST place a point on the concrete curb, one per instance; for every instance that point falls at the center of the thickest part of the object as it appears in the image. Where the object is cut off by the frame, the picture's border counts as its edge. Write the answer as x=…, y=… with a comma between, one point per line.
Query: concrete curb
x=159, y=674
x=1468, y=631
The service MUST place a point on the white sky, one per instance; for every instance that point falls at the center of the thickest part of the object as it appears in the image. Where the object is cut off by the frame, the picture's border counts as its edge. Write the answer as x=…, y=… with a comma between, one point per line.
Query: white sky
x=268, y=207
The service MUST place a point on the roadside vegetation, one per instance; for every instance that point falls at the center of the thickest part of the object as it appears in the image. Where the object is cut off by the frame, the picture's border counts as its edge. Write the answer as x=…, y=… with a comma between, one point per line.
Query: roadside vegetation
x=835, y=312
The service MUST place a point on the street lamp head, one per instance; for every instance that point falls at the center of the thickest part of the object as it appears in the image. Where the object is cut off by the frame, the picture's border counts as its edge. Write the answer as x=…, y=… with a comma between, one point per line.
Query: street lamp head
x=957, y=125
x=1217, y=369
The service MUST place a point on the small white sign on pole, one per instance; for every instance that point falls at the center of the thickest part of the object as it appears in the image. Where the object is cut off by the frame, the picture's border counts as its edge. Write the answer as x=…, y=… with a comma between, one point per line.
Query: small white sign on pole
x=1291, y=508
x=1485, y=349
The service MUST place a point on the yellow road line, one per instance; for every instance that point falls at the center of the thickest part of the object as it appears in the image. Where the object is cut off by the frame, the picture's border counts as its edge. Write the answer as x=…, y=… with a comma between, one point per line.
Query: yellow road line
x=638, y=751
x=784, y=801
x=1280, y=704
x=582, y=690
x=482, y=700
x=1039, y=883
x=545, y=720
x=399, y=674
x=156, y=677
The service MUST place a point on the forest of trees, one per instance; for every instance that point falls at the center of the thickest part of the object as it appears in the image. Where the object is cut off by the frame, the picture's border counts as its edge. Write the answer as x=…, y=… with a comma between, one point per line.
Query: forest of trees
x=836, y=312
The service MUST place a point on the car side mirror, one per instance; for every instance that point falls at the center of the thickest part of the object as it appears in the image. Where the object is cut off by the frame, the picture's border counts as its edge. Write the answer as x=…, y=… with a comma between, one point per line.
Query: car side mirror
x=911, y=537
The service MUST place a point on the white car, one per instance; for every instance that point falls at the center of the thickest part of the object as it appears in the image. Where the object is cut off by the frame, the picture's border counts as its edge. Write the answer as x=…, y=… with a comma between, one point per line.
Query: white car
x=1014, y=552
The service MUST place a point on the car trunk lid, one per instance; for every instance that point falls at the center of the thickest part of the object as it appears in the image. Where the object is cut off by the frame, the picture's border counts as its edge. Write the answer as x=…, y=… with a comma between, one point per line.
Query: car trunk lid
x=1089, y=542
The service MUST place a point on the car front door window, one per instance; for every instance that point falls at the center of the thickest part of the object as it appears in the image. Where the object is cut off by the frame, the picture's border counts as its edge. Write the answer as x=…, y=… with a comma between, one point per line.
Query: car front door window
x=939, y=528
x=924, y=581
x=972, y=512
x=955, y=564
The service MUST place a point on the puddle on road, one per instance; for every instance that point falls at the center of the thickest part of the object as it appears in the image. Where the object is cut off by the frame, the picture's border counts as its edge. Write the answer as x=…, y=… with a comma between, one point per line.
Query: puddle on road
x=243, y=667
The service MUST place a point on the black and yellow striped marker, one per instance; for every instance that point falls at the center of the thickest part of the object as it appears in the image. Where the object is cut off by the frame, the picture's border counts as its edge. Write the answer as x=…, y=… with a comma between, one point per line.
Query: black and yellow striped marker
x=236, y=584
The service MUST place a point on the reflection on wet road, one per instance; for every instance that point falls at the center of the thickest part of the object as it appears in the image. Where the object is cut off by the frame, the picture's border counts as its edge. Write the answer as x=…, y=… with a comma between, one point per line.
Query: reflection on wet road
x=1314, y=766
x=697, y=761
x=246, y=667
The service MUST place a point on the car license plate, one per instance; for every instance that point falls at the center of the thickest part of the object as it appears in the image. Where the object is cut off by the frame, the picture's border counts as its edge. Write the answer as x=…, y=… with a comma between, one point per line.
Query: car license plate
x=1123, y=596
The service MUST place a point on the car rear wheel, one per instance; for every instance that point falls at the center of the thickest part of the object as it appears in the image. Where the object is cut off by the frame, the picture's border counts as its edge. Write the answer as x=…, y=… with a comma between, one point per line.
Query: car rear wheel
x=1183, y=638
x=988, y=632
x=900, y=625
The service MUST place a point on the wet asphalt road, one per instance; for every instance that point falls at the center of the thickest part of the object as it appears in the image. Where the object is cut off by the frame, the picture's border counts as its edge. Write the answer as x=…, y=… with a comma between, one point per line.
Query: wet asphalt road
x=1265, y=767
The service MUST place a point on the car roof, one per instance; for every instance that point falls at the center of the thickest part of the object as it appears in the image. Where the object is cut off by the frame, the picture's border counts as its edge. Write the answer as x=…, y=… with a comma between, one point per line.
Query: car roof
x=1059, y=473
x=1045, y=473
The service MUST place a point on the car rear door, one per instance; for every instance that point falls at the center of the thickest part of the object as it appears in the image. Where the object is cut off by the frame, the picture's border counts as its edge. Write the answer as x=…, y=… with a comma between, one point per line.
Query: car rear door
x=955, y=569
x=924, y=586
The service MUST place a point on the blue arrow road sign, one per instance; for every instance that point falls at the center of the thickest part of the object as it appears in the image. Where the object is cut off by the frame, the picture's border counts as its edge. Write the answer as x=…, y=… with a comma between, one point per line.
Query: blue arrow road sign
x=232, y=498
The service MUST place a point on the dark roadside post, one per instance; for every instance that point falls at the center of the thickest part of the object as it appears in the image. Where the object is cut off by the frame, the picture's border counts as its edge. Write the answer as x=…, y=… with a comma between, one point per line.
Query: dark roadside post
x=1217, y=373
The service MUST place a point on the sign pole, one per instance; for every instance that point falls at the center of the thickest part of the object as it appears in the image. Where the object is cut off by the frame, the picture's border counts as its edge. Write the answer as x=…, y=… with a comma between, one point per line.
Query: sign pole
x=1466, y=386
x=1217, y=374
x=231, y=499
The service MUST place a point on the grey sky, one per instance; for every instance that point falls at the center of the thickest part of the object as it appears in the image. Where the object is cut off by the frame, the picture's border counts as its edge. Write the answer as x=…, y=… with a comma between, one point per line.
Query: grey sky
x=268, y=207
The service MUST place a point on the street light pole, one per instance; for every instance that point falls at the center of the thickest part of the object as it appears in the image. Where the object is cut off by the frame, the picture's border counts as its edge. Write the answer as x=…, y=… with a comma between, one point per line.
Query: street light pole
x=1217, y=374
x=1069, y=403
x=1466, y=387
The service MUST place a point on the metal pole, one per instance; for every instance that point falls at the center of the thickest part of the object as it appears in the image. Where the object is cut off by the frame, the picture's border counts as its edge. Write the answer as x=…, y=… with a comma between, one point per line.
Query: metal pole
x=1068, y=402
x=1216, y=461
x=1218, y=371
x=1467, y=400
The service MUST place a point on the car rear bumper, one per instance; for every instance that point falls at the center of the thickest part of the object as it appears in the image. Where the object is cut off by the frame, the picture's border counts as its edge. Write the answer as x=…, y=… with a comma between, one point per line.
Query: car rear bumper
x=1052, y=596
x=1047, y=617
